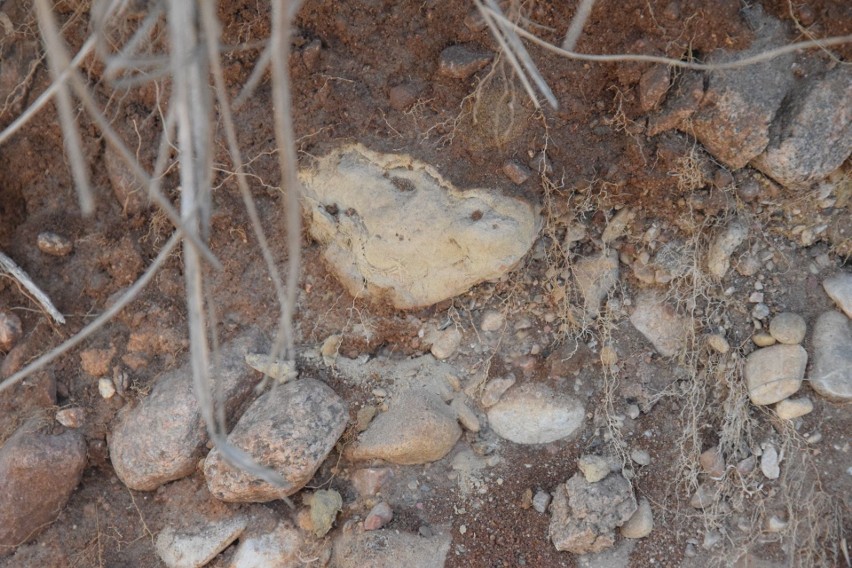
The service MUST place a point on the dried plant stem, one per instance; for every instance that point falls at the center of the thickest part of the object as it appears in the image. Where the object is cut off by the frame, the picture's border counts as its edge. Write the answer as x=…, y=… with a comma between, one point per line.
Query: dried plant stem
x=18, y=274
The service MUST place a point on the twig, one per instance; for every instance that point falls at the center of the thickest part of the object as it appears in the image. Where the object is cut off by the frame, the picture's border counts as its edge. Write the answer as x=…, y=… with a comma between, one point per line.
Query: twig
x=576, y=27
x=18, y=274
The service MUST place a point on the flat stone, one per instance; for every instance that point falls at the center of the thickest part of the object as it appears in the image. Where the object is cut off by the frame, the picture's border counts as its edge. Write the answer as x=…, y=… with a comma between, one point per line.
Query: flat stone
x=53, y=244
x=641, y=457
x=774, y=373
x=418, y=428
x=723, y=246
x=534, y=414
x=770, y=462
x=196, y=547
x=517, y=172
x=660, y=324
x=812, y=134
x=641, y=523
x=289, y=429
x=163, y=437
x=839, y=289
x=584, y=515
x=389, y=549
x=712, y=462
x=278, y=548
x=740, y=104
x=788, y=328
x=38, y=473
x=407, y=236
x=792, y=408
x=460, y=61
x=718, y=343
x=595, y=277
x=831, y=374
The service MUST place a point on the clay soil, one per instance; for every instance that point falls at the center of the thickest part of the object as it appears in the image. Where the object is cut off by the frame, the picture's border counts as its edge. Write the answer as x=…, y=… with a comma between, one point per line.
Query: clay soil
x=467, y=129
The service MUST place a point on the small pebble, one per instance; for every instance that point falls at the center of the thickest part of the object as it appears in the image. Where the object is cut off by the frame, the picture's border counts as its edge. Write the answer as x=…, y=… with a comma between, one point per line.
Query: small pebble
x=641, y=523
x=446, y=343
x=364, y=416
x=494, y=389
x=718, y=343
x=594, y=468
x=792, y=408
x=769, y=462
x=311, y=54
x=760, y=311
x=106, y=388
x=774, y=524
x=11, y=330
x=633, y=411
x=467, y=417
x=641, y=457
x=516, y=172
x=402, y=97
x=763, y=339
x=788, y=328
x=460, y=62
x=369, y=481
x=71, y=417
x=541, y=501
x=53, y=244
x=712, y=462
x=380, y=515
x=492, y=321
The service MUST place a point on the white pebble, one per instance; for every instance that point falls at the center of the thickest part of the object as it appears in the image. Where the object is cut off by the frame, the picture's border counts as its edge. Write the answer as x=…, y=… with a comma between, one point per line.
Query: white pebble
x=106, y=388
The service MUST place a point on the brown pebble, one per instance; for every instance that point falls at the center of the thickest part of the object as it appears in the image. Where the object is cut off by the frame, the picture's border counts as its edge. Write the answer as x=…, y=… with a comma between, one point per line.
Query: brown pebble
x=311, y=54
x=653, y=86
x=401, y=97
x=97, y=362
x=379, y=516
x=53, y=244
x=460, y=62
x=71, y=417
x=11, y=330
x=516, y=172
x=712, y=462
x=369, y=481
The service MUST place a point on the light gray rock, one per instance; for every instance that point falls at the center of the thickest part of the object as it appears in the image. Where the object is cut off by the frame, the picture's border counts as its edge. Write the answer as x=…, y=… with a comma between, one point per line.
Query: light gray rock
x=831, y=374
x=740, y=104
x=535, y=414
x=418, y=428
x=594, y=468
x=195, y=547
x=406, y=235
x=380, y=515
x=770, y=462
x=492, y=320
x=641, y=457
x=788, y=328
x=584, y=515
x=774, y=373
x=38, y=473
x=792, y=408
x=276, y=549
x=446, y=343
x=290, y=429
x=541, y=501
x=641, y=523
x=723, y=246
x=839, y=289
x=812, y=134
x=595, y=277
x=495, y=388
x=389, y=549
x=163, y=437
x=660, y=324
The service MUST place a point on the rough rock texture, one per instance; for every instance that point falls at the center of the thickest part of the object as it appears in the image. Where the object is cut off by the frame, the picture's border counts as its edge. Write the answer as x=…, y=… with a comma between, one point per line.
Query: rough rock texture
x=723, y=246
x=653, y=86
x=791, y=408
x=38, y=473
x=534, y=414
x=788, y=328
x=461, y=61
x=290, y=429
x=584, y=515
x=162, y=438
x=839, y=289
x=682, y=101
x=641, y=523
x=660, y=324
x=276, y=549
x=774, y=373
x=196, y=547
x=740, y=104
x=418, y=428
x=397, y=231
x=812, y=134
x=831, y=374
x=389, y=549
x=595, y=277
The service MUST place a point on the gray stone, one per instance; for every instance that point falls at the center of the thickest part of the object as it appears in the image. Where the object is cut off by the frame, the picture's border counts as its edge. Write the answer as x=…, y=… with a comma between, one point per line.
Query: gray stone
x=407, y=236
x=774, y=373
x=389, y=549
x=278, y=548
x=723, y=246
x=445, y=343
x=418, y=428
x=740, y=104
x=831, y=374
x=496, y=388
x=38, y=473
x=163, y=437
x=641, y=457
x=595, y=277
x=541, y=501
x=660, y=324
x=535, y=414
x=195, y=547
x=792, y=408
x=492, y=320
x=584, y=515
x=788, y=328
x=770, y=462
x=290, y=429
x=460, y=61
x=839, y=289
x=594, y=468
x=641, y=523
x=812, y=134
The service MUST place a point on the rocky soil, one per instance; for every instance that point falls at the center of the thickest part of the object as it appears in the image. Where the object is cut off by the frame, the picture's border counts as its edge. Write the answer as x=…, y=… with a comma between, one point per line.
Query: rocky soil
x=617, y=333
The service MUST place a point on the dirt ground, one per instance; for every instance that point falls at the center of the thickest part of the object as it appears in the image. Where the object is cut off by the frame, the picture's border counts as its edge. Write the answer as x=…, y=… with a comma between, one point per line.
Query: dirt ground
x=601, y=161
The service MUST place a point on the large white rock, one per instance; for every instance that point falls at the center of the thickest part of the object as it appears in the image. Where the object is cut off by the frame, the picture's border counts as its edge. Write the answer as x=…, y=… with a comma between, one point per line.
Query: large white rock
x=535, y=414
x=394, y=229
x=774, y=373
x=831, y=374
